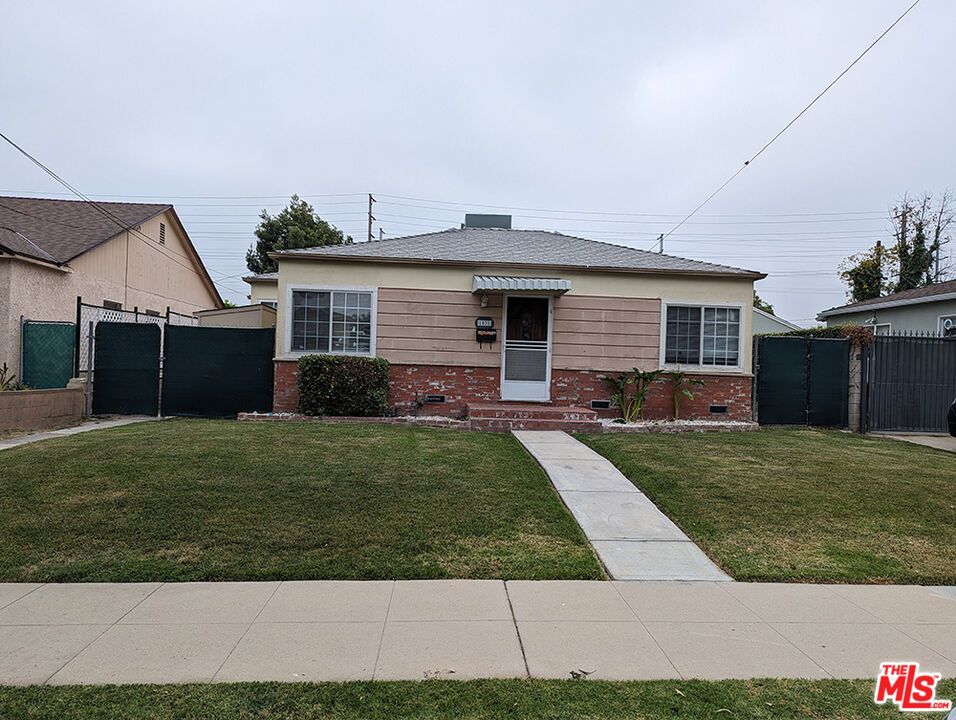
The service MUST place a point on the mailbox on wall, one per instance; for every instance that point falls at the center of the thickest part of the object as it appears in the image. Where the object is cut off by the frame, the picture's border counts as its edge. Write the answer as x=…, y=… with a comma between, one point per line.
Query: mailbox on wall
x=485, y=330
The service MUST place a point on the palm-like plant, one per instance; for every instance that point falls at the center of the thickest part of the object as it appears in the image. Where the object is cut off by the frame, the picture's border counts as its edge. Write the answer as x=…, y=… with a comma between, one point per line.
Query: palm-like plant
x=630, y=392
x=679, y=383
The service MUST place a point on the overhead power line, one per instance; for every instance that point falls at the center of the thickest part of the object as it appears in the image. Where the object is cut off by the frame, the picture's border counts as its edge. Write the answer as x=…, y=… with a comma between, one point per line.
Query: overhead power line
x=790, y=124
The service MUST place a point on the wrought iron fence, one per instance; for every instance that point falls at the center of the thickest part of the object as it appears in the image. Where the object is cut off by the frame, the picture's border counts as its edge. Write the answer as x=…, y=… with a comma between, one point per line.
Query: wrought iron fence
x=909, y=381
x=86, y=314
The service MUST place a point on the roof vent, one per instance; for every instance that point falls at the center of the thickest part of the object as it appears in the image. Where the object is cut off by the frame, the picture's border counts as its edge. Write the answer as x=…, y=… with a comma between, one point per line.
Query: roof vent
x=473, y=220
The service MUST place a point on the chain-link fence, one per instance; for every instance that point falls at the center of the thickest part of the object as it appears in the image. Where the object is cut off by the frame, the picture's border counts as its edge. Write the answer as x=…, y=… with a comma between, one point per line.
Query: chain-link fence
x=85, y=314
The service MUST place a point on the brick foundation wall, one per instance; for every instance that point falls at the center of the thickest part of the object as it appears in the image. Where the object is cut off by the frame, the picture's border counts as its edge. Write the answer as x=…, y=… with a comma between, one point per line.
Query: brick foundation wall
x=462, y=385
x=40, y=409
x=285, y=393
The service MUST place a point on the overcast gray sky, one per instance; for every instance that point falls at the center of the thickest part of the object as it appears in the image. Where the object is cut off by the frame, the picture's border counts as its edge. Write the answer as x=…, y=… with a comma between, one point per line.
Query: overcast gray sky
x=605, y=120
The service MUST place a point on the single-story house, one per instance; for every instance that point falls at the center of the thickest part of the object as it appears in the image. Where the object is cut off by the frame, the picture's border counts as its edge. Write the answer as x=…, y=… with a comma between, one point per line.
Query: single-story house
x=929, y=310
x=121, y=255
x=764, y=322
x=566, y=313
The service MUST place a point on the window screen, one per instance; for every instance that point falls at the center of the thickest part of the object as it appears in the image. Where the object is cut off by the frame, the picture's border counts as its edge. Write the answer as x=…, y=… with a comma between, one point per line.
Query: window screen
x=683, y=335
x=332, y=321
x=702, y=336
x=721, y=336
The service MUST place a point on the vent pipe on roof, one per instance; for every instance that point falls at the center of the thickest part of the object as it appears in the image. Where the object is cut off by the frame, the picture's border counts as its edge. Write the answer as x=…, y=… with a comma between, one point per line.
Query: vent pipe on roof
x=475, y=220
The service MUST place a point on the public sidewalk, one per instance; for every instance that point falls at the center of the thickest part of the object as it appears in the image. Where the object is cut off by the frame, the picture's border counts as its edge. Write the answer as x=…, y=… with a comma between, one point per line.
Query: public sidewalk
x=76, y=429
x=315, y=631
x=633, y=539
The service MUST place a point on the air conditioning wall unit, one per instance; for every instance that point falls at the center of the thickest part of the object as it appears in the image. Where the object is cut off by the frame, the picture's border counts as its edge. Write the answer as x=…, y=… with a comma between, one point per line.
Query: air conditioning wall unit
x=947, y=326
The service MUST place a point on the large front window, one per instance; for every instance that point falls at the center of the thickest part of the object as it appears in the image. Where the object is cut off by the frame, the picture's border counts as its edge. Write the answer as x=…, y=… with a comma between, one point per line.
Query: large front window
x=332, y=321
x=700, y=335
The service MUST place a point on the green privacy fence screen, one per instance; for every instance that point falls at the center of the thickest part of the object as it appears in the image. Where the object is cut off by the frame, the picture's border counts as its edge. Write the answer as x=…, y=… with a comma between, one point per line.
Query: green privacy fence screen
x=47, y=354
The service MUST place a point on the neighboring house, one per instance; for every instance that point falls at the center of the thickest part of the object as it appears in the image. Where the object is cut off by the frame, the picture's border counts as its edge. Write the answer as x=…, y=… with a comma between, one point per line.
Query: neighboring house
x=764, y=322
x=252, y=316
x=123, y=255
x=263, y=289
x=930, y=309
x=567, y=312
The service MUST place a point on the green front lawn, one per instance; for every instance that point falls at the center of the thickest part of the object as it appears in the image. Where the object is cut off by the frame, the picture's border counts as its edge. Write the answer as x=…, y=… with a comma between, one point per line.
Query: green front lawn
x=222, y=500
x=518, y=699
x=802, y=505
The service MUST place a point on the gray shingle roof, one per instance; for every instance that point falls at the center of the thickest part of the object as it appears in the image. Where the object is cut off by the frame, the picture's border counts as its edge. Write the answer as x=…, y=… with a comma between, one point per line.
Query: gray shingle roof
x=261, y=277
x=928, y=293
x=493, y=246
x=60, y=230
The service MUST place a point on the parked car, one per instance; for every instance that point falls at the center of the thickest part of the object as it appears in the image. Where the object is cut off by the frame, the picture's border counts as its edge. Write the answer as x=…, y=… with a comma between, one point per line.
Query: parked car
x=952, y=419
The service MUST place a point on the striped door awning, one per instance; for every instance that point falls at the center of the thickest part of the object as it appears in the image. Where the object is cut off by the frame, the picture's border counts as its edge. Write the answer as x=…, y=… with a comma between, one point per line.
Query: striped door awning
x=497, y=283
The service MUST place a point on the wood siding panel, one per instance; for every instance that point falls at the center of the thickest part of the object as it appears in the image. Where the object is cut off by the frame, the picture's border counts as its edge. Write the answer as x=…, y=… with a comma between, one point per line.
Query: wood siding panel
x=434, y=327
x=425, y=327
x=601, y=333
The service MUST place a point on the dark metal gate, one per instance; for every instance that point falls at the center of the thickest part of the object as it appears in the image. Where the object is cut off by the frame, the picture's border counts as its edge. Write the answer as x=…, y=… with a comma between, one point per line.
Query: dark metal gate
x=46, y=353
x=802, y=381
x=908, y=383
x=216, y=372
x=126, y=378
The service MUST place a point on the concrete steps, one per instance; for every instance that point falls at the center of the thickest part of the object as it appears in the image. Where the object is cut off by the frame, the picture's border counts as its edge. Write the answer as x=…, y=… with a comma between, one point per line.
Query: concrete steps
x=505, y=417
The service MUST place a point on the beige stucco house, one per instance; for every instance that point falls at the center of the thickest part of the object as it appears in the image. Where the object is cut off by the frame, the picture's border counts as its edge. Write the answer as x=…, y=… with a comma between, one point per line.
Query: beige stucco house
x=566, y=312
x=125, y=255
x=263, y=289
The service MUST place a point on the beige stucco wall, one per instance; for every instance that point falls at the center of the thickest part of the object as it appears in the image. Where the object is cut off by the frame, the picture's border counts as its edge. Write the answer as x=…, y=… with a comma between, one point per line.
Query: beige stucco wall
x=262, y=292
x=609, y=290
x=127, y=269
x=253, y=316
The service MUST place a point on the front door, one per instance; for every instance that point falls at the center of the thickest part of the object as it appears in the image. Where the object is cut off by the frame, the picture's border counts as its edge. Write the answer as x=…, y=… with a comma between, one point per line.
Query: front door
x=526, y=350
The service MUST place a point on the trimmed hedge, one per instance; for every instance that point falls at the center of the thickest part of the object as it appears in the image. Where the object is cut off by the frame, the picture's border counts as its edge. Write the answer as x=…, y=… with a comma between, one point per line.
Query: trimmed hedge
x=342, y=385
x=858, y=335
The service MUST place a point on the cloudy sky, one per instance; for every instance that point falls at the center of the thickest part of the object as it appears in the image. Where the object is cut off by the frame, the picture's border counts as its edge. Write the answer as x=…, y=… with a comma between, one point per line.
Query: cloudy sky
x=606, y=120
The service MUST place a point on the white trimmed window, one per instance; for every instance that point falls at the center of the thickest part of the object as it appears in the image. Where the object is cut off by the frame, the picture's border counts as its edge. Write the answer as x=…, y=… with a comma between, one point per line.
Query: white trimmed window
x=332, y=321
x=702, y=335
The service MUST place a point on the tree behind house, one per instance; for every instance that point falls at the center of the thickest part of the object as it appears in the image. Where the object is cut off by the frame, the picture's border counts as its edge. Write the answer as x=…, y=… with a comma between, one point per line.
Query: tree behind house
x=921, y=231
x=296, y=226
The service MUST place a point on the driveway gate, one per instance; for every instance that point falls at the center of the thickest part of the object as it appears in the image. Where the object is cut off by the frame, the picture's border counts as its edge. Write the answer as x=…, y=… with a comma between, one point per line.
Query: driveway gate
x=909, y=383
x=802, y=381
x=126, y=378
x=205, y=371
x=215, y=372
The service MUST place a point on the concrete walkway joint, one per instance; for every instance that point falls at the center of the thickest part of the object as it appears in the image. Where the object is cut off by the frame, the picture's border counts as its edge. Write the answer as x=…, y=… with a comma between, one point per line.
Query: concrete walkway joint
x=633, y=539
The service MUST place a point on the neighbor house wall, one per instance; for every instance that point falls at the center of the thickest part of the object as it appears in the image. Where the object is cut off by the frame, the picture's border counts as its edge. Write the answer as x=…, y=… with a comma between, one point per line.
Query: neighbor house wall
x=923, y=317
x=250, y=316
x=127, y=269
x=263, y=292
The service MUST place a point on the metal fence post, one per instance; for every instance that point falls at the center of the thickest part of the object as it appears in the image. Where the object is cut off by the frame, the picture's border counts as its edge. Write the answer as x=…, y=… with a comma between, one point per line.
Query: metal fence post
x=79, y=332
x=89, y=373
x=20, y=368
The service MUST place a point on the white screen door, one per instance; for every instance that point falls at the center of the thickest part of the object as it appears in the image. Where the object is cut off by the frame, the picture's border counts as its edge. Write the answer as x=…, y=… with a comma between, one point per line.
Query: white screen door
x=526, y=350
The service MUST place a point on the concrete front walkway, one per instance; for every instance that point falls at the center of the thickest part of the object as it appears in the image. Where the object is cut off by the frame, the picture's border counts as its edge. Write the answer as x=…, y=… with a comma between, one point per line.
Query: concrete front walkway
x=84, y=427
x=317, y=631
x=633, y=539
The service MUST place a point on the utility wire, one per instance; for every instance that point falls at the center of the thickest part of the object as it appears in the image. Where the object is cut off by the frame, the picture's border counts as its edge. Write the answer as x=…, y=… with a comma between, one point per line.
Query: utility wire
x=789, y=124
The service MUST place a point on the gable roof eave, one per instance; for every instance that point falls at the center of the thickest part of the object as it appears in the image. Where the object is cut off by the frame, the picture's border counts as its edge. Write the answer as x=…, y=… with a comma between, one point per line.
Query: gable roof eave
x=297, y=255
x=197, y=260
x=903, y=302
x=117, y=234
